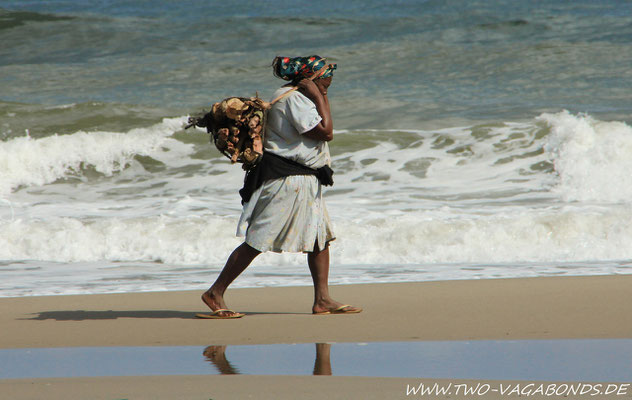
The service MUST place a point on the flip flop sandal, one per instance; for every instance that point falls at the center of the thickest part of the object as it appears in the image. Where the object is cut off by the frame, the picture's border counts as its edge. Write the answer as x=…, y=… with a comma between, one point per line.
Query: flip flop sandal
x=215, y=314
x=340, y=310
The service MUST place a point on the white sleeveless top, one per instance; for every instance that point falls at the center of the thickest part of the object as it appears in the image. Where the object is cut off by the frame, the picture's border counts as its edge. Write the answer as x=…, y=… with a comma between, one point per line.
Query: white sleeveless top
x=288, y=119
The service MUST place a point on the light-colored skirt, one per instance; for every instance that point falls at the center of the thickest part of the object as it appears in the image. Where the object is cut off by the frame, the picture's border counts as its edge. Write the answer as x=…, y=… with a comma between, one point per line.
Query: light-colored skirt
x=286, y=214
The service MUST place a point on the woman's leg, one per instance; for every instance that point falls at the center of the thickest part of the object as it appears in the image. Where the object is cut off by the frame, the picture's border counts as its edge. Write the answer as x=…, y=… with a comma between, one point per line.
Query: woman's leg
x=237, y=262
x=318, y=261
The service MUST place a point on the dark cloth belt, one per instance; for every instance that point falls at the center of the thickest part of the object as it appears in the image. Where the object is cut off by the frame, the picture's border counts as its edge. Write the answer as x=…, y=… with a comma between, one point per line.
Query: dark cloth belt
x=273, y=166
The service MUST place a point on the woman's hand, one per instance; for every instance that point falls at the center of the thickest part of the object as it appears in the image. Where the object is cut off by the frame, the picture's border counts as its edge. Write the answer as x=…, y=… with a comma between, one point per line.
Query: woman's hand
x=310, y=89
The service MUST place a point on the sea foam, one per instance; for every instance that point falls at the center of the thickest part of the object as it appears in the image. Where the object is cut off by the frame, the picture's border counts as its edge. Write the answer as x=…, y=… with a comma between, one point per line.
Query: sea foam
x=566, y=234
x=25, y=161
x=593, y=158
x=500, y=198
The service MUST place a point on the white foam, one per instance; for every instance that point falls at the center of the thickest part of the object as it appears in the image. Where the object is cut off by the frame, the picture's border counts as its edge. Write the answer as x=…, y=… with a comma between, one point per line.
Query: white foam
x=565, y=235
x=25, y=161
x=446, y=236
x=593, y=158
x=471, y=170
x=190, y=240
x=402, y=207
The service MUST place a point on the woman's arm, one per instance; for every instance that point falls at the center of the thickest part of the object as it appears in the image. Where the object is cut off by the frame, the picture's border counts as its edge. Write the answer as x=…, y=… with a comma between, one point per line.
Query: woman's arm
x=325, y=128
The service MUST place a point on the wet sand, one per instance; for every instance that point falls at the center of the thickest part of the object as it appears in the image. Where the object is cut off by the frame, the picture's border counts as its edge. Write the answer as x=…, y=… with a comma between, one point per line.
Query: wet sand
x=529, y=308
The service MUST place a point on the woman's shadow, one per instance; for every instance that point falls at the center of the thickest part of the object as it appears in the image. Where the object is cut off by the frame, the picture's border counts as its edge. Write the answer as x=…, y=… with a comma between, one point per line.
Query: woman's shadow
x=82, y=315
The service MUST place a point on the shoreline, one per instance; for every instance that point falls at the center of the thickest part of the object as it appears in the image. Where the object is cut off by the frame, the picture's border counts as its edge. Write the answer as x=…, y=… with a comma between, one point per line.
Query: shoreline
x=491, y=309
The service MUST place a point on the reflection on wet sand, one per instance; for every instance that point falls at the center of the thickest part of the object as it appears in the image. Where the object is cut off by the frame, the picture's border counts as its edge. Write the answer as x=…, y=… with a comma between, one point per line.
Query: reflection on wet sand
x=322, y=365
x=217, y=356
x=598, y=360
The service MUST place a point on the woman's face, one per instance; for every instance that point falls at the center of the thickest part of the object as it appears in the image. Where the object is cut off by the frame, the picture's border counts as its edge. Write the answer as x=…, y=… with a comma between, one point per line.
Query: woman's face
x=323, y=84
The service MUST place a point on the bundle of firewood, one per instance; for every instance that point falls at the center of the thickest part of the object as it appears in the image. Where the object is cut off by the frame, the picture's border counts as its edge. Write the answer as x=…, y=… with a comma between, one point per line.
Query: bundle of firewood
x=236, y=125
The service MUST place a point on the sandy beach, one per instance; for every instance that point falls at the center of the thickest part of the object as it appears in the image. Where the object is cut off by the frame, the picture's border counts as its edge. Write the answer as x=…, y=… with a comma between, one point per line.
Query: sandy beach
x=501, y=309
x=481, y=206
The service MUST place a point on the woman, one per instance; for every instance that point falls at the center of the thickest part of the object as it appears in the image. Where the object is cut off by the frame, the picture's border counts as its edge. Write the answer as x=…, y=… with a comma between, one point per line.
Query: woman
x=283, y=205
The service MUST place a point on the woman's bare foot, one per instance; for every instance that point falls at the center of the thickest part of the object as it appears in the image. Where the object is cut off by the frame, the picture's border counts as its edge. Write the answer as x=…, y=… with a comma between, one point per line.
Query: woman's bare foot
x=216, y=302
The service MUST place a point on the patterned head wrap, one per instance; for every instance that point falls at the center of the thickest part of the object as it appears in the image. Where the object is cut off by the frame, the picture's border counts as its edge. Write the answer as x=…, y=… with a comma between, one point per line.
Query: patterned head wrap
x=293, y=69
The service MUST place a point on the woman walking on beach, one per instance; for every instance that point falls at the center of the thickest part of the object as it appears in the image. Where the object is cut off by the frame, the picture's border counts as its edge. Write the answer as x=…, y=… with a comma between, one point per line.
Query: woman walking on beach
x=283, y=206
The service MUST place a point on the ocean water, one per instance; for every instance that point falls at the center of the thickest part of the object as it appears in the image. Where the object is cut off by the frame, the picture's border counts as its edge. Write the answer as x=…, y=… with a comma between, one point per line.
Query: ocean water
x=480, y=139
